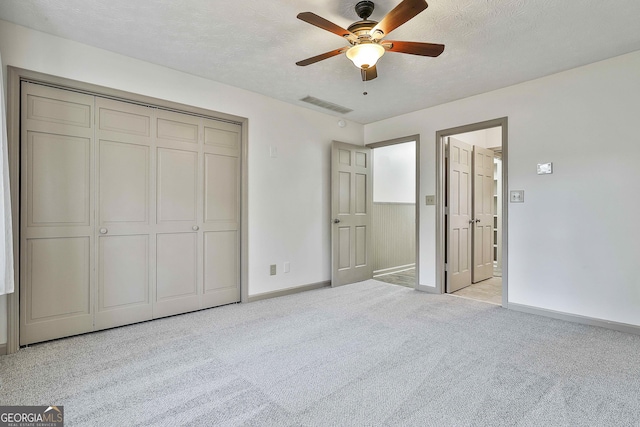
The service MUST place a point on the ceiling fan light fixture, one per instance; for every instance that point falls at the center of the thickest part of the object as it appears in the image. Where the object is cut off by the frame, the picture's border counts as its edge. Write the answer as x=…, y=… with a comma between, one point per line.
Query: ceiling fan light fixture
x=365, y=55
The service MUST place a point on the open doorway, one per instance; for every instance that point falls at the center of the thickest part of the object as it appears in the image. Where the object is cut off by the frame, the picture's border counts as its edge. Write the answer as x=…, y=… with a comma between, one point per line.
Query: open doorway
x=471, y=225
x=394, y=215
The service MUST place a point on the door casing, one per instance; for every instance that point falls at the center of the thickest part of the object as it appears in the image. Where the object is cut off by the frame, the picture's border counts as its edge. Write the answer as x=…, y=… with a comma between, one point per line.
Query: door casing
x=441, y=194
x=402, y=140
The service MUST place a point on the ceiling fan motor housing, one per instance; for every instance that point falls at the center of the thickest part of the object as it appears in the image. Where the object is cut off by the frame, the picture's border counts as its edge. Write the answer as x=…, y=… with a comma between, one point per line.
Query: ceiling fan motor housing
x=364, y=9
x=362, y=28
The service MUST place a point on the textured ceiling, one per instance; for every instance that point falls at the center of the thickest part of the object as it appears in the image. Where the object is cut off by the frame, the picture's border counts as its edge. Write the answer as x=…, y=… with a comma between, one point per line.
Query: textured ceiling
x=254, y=44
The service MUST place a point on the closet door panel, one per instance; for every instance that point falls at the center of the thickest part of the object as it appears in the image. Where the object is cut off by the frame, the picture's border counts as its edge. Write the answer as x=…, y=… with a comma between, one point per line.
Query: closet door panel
x=125, y=251
x=56, y=224
x=123, y=281
x=177, y=186
x=221, y=213
x=58, y=180
x=176, y=271
x=57, y=288
x=124, y=183
x=221, y=269
x=221, y=198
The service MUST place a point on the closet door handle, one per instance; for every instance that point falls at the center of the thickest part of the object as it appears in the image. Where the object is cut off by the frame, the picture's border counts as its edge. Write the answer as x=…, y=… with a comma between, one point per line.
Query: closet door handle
x=103, y=231
x=477, y=220
x=195, y=228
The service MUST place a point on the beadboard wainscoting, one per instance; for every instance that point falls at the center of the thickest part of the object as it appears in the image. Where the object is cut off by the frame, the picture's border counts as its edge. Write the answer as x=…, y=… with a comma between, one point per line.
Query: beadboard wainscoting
x=394, y=236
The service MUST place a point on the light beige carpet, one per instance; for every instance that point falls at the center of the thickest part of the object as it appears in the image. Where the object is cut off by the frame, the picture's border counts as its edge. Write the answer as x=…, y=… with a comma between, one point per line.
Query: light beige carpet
x=367, y=354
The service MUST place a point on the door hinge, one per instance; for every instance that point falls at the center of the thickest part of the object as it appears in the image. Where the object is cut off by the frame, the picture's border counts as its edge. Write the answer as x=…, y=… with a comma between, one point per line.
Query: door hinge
x=446, y=211
x=446, y=267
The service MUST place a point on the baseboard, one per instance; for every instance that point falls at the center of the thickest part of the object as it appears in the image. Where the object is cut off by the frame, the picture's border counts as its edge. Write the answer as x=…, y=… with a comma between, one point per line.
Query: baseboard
x=3, y=349
x=392, y=270
x=576, y=318
x=288, y=291
x=427, y=289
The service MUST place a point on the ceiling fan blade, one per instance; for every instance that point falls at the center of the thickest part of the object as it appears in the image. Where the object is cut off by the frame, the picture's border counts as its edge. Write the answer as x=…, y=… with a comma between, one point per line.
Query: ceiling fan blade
x=320, y=22
x=414, y=48
x=318, y=58
x=369, y=73
x=403, y=12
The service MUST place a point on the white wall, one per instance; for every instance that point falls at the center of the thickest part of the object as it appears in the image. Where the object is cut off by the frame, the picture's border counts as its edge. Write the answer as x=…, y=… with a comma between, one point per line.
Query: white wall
x=574, y=243
x=394, y=173
x=288, y=195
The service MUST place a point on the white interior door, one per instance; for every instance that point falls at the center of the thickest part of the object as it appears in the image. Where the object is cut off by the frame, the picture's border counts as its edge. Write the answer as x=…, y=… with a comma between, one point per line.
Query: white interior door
x=482, y=214
x=125, y=249
x=56, y=222
x=459, y=218
x=351, y=203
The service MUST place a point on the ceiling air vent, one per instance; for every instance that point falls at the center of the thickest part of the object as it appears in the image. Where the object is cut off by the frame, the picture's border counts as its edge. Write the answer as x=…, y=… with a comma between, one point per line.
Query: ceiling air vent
x=326, y=104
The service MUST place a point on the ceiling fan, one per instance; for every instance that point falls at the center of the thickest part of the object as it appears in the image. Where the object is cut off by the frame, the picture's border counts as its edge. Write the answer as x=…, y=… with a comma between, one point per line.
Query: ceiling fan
x=366, y=38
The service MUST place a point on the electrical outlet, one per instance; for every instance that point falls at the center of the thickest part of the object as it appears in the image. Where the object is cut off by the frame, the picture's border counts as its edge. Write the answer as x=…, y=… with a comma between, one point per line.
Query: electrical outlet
x=516, y=196
x=286, y=267
x=273, y=270
x=429, y=200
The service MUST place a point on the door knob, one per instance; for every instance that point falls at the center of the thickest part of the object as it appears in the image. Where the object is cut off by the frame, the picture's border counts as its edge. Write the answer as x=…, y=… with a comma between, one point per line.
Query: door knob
x=336, y=221
x=195, y=228
x=103, y=231
x=470, y=221
x=477, y=220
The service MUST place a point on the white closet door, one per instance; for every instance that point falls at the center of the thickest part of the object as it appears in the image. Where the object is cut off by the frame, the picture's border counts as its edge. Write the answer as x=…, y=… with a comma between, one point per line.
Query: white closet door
x=124, y=214
x=162, y=236
x=56, y=224
x=178, y=285
x=221, y=213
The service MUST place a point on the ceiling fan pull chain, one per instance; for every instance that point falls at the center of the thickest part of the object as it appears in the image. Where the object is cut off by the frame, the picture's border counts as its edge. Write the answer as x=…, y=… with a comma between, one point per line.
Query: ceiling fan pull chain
x=364, y=87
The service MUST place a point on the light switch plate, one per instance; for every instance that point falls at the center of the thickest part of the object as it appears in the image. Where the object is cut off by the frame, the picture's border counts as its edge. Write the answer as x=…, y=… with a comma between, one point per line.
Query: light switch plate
x=273, y=151
x=545, y=168
x=516, y=196
x=272, y=269
x=429, y=200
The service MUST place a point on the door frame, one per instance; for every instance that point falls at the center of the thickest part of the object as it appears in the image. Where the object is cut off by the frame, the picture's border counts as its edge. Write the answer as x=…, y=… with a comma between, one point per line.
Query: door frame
x=14, y=77
x=402, y=140
x=441, y=194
